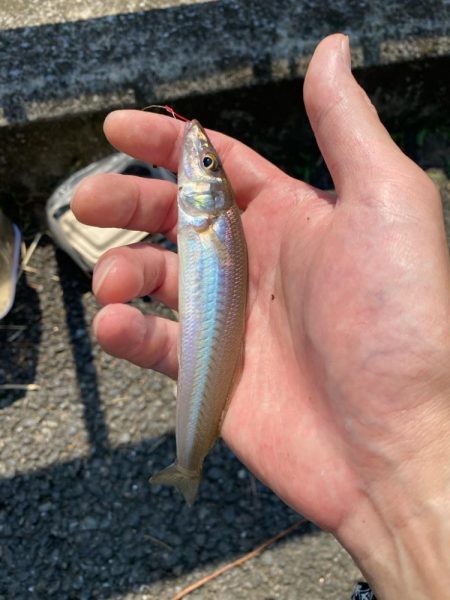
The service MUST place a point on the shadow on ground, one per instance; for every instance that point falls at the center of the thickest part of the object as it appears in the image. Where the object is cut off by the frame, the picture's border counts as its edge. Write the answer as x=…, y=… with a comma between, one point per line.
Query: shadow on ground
x=20, y=335
x=91, y=526
x=80, y=341
x=94, y=527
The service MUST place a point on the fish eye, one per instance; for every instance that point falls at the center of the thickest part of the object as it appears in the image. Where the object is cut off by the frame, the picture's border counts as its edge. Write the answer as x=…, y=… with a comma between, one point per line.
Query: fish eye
x=210, y=162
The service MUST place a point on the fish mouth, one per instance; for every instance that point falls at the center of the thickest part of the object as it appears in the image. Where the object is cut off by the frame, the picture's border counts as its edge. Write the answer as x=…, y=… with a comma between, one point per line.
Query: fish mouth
x=195, y=128
x=195, y=123
x=195, y=139
x=195, y=145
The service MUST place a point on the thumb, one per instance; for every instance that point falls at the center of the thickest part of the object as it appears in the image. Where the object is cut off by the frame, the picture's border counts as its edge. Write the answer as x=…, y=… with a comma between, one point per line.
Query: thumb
x=354, y=143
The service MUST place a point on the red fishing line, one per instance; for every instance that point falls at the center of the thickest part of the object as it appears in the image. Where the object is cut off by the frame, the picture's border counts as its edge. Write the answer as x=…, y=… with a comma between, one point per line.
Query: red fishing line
x=174, y=114
x=168, y=109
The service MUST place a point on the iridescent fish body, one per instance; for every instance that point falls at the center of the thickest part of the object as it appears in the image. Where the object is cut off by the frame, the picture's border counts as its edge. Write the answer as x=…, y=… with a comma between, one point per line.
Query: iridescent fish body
x=212, y=302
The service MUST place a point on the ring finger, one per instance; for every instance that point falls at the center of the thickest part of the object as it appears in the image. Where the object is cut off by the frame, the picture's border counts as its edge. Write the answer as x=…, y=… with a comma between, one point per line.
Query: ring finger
x=145, y=340
x=137, y=270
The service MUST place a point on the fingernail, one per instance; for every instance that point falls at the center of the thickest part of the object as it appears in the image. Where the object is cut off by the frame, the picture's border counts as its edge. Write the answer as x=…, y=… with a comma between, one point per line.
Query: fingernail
x=105, y=267
x=345, y=51
x=95, y=323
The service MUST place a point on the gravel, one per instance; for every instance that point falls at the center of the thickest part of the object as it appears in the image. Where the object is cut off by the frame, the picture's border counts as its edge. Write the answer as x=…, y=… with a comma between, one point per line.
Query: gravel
x=78, y=518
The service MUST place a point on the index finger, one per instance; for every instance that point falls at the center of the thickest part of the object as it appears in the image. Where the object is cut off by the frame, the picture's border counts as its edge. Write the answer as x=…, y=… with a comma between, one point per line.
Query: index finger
x=157, y=139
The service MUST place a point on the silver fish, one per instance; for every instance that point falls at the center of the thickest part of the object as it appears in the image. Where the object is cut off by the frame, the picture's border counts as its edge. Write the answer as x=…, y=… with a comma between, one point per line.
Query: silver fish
x=212, y=303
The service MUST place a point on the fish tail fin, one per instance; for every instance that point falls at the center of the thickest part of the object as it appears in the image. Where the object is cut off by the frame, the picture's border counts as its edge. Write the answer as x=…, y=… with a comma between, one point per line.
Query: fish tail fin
x=186, y=482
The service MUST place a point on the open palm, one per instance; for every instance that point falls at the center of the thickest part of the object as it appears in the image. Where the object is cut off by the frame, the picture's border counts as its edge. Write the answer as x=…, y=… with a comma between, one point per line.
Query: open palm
x=347, y=338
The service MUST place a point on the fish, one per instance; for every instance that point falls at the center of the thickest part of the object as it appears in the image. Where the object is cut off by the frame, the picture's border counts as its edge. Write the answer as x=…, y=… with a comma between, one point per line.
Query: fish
x=213, y=282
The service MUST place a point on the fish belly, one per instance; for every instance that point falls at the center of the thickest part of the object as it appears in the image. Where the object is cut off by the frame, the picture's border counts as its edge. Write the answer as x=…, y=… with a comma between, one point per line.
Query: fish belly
x=212, y=302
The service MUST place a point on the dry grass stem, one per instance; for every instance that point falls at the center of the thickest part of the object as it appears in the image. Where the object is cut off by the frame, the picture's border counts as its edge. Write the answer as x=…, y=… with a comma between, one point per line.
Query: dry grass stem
x=237, y=563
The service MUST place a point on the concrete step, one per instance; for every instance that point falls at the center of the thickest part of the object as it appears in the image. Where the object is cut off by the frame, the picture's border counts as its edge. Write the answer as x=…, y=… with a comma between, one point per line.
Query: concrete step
x=62, y=58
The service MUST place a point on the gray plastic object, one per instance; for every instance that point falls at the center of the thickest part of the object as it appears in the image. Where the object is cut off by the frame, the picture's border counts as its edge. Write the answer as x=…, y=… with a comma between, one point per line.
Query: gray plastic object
x=10, y=238
x=84, y=243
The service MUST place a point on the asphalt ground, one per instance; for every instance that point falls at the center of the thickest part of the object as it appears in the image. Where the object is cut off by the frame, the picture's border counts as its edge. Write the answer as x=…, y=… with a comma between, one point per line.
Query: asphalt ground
x=78, y=518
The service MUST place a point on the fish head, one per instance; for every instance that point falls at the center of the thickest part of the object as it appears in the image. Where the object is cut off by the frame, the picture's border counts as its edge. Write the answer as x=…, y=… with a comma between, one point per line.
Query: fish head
x=202, y=182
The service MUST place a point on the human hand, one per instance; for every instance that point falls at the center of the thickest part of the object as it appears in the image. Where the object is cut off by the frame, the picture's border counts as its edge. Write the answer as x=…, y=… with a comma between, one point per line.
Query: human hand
x=342, y=407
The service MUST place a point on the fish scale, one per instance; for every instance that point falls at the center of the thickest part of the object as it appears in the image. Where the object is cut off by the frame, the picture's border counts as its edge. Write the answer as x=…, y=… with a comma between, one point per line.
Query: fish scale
x=212, y=303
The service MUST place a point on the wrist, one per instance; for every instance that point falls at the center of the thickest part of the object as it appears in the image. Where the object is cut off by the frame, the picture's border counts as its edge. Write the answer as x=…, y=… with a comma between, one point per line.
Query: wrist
x=399, y=531
x=402, y=561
